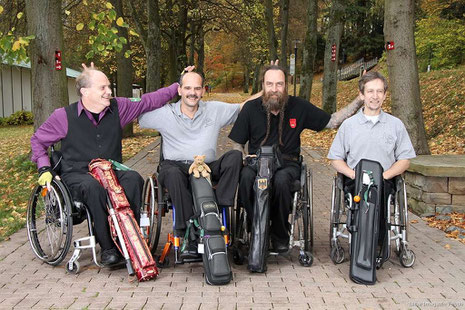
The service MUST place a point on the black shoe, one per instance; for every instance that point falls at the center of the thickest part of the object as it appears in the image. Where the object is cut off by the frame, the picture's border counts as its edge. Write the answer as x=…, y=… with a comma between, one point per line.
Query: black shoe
x=279, y=247
x=190, y=251
x=111, y=257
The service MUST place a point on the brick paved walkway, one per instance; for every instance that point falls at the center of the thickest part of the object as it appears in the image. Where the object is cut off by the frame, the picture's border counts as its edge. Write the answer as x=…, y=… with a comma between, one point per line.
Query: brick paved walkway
x=436, y=280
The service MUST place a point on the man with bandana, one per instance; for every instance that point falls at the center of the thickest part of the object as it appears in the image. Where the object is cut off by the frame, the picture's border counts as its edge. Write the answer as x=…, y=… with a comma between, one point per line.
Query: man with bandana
x=278, y=119
x=191, y=127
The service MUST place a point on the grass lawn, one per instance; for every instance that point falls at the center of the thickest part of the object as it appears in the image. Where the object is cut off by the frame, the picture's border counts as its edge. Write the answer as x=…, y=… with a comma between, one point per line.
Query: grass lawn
x=18, y=177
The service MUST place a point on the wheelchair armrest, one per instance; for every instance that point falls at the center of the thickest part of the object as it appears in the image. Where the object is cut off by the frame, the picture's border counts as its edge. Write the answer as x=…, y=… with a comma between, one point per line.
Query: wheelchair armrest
x=340, y=179
x=399, y=182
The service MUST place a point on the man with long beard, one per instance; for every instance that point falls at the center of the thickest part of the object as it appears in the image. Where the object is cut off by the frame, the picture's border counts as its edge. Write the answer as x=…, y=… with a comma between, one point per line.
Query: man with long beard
x=278, y=119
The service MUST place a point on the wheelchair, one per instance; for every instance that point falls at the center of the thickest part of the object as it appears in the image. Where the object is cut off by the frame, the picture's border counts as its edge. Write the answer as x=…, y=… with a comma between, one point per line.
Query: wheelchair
x=396, y=215
x=51, y=215
x=156, y=205
x=300, y=218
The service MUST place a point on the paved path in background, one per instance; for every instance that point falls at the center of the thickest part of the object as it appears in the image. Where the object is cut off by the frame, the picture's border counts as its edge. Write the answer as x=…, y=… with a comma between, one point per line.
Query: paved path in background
x=436, y=281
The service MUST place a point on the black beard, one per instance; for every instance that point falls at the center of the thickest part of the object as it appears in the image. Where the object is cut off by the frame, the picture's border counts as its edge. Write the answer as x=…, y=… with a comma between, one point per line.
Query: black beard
x=274, y=103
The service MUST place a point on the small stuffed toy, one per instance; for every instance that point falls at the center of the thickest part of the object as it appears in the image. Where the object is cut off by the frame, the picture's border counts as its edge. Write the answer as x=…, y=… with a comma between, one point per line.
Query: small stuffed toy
x=198, y=167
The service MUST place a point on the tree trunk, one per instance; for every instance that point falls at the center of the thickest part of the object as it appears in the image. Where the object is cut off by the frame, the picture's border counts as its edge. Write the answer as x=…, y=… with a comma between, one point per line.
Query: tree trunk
x=284, y=28
x=173, y=68
x=181, y=36
x=256, y=79
x=403, y=70
x=49, y=86
x=331, y=64
x=272, y=42
x=201, y=50
x=191, y=59
x=153, y=50
x=309, y=51
x=124, y=70
x=246, y=79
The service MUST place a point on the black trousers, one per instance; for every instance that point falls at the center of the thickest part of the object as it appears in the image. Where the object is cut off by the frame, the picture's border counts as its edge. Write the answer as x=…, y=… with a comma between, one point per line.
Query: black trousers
x=174, y=176
x=88, y=190
x=281, y=197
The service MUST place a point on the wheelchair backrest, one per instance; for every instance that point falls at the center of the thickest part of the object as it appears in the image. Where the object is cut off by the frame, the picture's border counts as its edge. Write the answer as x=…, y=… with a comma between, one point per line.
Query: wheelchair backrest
x=160, y=157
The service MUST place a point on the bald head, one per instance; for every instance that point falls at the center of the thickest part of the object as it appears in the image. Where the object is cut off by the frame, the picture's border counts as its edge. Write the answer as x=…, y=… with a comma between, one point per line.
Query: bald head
x=189, y=75
x=84, y=80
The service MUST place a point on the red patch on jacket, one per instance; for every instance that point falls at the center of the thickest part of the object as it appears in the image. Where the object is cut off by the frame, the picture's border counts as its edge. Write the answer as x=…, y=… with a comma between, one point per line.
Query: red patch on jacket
x=292, y=122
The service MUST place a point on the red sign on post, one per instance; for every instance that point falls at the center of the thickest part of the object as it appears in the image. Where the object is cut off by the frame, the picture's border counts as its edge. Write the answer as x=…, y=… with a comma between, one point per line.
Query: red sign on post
x=333, y=52
x=58, y=60
x=389, y=45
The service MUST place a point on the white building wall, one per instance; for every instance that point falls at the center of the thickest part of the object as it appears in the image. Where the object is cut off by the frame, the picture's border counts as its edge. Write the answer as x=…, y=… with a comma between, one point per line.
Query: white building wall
x=7, y=93
x=16, y=90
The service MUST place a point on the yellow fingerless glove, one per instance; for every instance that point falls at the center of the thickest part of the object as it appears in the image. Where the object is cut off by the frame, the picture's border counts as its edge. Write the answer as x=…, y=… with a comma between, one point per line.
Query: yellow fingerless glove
x=45, y=178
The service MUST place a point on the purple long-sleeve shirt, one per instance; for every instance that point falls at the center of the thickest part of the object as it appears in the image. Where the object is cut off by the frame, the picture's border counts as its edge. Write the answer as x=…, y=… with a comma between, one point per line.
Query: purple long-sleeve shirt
x=55, y=127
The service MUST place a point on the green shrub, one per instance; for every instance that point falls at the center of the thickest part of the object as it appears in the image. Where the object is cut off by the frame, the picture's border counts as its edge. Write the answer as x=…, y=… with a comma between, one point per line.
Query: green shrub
x=20, y=118
x=440, y=43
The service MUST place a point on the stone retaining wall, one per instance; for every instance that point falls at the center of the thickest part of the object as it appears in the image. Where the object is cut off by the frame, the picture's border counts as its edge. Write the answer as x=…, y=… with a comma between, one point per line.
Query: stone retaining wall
x=436, y=183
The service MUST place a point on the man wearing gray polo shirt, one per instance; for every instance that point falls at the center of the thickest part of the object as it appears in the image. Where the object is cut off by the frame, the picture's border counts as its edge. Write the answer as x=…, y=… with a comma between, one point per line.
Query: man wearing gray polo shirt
x=372, y=134
x=191, y=127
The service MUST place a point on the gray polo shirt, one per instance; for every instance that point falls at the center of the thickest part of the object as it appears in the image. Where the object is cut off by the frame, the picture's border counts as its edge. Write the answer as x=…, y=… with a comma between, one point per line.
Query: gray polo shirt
x=386, y=141
x=183, y=138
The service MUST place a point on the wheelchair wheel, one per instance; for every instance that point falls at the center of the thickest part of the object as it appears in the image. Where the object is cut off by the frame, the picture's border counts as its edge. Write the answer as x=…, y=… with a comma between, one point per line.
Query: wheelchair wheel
x=400, y=215
x=335, y=210
x=397, y=226
x=74, y=269
x=306, y=259
x=337, y=254
x=310, y=206
x=164, y=264
x=407, y=257
x=238, y=253
x=241, y=238
x=49, y=222
x=151, y=211
x=307, y=212
x=306, y=219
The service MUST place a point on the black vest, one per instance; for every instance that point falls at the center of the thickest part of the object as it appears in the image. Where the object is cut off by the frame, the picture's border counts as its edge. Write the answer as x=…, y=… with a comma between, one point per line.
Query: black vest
x=85, y=141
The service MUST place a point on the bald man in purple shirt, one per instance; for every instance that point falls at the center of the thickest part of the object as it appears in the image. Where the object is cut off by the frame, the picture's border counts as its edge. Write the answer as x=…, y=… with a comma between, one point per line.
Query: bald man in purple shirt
x=88, y=129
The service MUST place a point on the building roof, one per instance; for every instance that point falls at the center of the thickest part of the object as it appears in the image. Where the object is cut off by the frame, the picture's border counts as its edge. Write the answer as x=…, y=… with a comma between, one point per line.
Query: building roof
x=69, y=72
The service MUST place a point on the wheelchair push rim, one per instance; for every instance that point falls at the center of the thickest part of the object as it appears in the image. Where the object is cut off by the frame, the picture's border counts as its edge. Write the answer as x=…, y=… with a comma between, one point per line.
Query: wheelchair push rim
x=49, y=222
x=152, y=209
